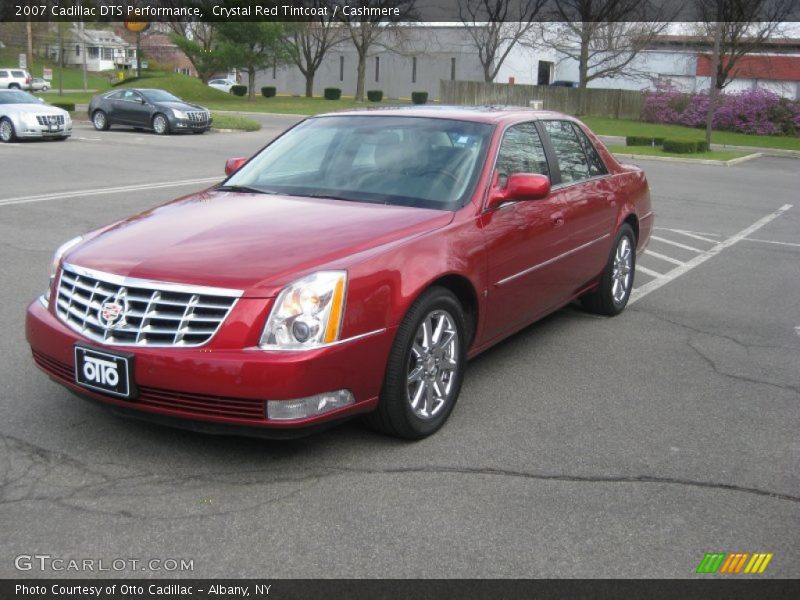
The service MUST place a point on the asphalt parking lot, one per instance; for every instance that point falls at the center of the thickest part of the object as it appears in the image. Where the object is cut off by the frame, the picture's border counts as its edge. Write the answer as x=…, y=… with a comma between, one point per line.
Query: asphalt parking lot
x=581, y=447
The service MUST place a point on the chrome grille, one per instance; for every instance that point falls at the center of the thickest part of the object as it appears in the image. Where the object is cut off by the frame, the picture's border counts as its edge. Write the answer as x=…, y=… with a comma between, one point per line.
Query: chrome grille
x=50, y=119
x=125, y=311
x=198, y=116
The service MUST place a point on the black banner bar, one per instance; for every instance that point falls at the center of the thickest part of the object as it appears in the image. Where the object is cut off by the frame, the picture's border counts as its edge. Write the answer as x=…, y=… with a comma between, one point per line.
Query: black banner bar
x=428, y=11
x=405, y=589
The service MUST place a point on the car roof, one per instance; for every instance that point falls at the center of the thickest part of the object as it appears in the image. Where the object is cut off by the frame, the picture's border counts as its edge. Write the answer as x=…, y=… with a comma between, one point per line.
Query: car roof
x=480, y=114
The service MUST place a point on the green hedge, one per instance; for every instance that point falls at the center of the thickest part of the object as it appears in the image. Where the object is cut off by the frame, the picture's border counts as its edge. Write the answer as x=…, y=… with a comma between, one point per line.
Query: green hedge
x=268, y=91
x=332, y=93
x=641, y=140
x=419, y=97
x=374, y=95
x=238, y=90
x=681, y=146
x=67, y=106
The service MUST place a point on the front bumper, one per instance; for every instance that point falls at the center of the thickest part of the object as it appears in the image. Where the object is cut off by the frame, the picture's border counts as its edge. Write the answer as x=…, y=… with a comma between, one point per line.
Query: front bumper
x=42, y=131
x=202, y=388
x=178, y=125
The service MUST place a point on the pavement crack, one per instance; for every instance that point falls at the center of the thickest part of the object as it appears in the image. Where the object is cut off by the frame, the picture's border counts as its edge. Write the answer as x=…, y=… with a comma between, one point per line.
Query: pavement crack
x=633, y=479
x=710, y=362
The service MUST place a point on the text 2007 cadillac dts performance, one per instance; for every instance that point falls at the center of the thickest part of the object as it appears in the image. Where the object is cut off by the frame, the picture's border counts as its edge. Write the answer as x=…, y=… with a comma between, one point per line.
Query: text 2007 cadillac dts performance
x=351, y=267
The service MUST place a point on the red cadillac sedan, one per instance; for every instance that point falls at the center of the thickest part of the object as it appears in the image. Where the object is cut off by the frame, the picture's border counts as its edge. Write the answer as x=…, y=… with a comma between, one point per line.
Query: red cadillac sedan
x=351, y=267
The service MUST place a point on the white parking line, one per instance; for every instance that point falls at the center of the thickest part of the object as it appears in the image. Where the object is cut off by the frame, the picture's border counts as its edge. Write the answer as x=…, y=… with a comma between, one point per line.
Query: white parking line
x=663, y=257
x=642, y=291
x=773, y=242
x=704, y=237
x=110, y=190
x=647, y=271
x=684, y=246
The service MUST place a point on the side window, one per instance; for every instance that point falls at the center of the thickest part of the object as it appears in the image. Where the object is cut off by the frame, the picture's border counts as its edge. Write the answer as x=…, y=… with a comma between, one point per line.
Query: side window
x=569, y=152
x=3, y=74
x=521, y=152
x=596, y=165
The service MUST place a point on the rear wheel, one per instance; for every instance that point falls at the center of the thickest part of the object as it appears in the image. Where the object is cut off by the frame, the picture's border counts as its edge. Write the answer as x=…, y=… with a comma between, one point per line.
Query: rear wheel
x=160, y=124
x=13, y=86
x=611, y=297
x=100, y=120
x=7, y=133
x=425, y=369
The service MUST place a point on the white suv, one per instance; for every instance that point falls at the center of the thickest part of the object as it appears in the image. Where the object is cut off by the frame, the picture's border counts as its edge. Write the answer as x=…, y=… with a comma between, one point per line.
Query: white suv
x=15, y=79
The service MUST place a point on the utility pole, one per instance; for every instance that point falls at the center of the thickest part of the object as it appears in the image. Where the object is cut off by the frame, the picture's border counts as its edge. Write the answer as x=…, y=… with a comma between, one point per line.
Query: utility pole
x=712, y=91
x=29, y=30
x=60, y=59
x=83, y=52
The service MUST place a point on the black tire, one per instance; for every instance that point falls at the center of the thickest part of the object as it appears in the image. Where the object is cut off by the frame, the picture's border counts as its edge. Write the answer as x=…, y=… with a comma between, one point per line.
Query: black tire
x=158, y=119
x=7, y=133
x=14, y=86
x=602, y=301
x=100, y=120
x=394, y=414
x=61, y=138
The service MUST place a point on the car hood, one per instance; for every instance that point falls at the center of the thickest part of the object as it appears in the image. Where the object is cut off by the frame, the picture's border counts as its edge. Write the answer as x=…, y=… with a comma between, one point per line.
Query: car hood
x=184, y=106
x=250, y=242
x=39, y=109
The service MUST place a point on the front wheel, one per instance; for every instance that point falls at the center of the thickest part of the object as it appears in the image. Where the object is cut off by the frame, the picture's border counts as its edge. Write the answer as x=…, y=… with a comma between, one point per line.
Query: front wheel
x=160, y=124
x=100, y=120
x=425, y=368
x=7, y=131
x=616, y=283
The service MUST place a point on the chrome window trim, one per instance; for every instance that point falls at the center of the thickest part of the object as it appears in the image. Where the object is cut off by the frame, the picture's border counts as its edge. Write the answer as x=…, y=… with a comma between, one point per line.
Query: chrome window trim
x=321, y=346
x=550, y=260
x=163, y=286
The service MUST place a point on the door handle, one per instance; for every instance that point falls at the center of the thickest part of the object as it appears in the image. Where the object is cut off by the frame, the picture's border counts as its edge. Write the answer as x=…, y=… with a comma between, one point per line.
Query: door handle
x=557, y=218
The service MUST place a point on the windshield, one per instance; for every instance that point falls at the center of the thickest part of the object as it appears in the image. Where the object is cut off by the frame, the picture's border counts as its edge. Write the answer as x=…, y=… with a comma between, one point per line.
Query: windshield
x=159, y=96
x=410, y=161
x=17, y=97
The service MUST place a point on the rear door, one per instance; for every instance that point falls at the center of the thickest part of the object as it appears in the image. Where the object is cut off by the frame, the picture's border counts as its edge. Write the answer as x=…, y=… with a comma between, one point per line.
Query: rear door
x=583, y=187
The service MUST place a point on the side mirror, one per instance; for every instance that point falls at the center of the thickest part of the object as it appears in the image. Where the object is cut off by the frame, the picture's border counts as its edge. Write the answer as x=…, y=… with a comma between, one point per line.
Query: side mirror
x=520, y=186
x=234, y=164
x=41, y=100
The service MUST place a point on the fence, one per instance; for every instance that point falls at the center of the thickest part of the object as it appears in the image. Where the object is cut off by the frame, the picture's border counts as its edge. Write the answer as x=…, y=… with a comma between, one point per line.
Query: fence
x=618, y=104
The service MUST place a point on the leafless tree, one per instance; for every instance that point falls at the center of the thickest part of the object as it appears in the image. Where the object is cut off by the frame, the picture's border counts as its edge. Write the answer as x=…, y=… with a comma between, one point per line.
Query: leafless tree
x=368, y=29
x=744, y=27
x=496, y=26
x=312, y=40
x=603, y=36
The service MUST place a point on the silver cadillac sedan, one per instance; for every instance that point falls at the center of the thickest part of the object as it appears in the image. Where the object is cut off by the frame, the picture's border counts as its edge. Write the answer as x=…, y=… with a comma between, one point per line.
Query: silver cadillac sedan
x=23, y=116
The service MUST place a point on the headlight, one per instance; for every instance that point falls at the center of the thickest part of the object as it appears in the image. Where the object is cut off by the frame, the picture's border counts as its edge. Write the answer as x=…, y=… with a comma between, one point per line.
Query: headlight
x=60, y=252
x=307, y=313
x=179, y=114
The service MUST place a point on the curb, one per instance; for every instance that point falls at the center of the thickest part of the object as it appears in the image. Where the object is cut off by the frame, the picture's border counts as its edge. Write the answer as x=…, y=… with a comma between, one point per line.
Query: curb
x=693, y=161
x=617, y=140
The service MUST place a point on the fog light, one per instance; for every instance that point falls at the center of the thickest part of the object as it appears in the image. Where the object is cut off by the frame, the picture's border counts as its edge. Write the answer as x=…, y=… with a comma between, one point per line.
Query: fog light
x=287, y=410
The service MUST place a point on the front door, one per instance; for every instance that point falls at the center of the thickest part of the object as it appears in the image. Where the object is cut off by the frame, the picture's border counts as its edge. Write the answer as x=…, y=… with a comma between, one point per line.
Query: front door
x=523, y=240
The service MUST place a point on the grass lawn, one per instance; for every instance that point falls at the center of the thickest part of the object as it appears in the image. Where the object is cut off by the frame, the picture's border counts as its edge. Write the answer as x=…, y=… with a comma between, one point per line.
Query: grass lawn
x=606, y=126
x=656, y=151
x=234, y=122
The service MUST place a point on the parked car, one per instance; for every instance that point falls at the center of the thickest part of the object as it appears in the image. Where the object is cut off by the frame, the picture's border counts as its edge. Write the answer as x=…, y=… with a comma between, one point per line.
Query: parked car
x=351, y=267
x=223, y=85
x=25, y=116
x=153, y=109
x=14, y=79
x=39, y=85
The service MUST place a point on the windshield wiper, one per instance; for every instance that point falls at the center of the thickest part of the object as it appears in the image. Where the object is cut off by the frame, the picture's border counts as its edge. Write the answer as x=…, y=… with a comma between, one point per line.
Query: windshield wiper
x=244, y=188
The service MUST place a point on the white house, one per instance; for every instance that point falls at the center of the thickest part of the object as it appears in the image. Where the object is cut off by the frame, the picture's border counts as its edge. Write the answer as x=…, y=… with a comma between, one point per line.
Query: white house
x=104, y=50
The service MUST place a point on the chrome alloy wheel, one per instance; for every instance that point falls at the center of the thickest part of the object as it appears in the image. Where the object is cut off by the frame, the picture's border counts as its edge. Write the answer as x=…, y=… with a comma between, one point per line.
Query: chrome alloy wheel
x=99, y=120
x=160, y=124
x=6, y=130
x=432, y=364
x=622, y=273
